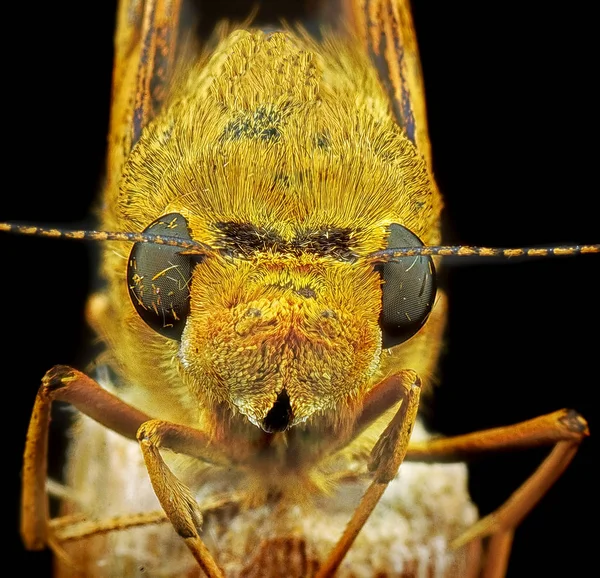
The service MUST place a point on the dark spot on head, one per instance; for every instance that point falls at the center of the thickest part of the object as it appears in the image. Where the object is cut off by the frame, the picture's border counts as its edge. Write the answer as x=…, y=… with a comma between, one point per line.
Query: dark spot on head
x=332, y=241
x=306, y=292
x=246, y=238
x=261, y=123
x=322, y=141
x=269, y=134
x=329, y=314
x=281, y=180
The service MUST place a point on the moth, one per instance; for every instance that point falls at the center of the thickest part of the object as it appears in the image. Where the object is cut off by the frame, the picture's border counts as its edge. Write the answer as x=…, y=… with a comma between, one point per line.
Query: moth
x=562, y=264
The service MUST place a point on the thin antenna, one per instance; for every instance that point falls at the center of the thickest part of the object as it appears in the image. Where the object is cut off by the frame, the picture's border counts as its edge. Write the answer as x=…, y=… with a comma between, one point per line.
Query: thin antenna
x=195, y=248
x=191, y=247
x=466, y=251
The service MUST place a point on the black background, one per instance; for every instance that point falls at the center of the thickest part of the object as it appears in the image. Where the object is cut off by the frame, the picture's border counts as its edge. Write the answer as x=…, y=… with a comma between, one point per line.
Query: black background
x=510, y=106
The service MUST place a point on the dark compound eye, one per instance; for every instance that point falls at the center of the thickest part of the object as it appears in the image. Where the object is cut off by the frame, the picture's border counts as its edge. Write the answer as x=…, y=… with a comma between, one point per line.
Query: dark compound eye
x=158, y=277
x=408, y=290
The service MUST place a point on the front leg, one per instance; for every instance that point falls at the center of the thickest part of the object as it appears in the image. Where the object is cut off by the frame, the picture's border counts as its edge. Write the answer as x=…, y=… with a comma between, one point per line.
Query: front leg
x=175, y=497
x=63, y=383
x=386, y=456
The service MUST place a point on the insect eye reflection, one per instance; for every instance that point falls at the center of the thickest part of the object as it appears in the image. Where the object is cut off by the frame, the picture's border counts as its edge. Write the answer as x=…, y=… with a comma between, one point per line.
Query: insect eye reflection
x=408, y=290
x=158, y=278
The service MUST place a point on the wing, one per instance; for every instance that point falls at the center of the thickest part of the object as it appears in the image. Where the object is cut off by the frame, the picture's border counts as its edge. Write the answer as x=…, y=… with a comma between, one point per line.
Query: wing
x=386, y=30
x=145, y=46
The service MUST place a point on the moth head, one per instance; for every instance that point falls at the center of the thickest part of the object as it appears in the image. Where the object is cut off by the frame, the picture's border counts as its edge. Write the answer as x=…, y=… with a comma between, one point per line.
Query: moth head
x=280, y=336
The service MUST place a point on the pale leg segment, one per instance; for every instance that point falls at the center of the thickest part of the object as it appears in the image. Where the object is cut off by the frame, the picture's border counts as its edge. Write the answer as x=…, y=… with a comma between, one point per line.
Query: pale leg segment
x=386, y=457
x=565, y=429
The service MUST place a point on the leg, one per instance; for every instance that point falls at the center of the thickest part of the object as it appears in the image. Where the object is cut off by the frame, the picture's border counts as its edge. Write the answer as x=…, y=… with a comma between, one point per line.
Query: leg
x=386, y=456
x=66, y=384
x=175, y=498
x=78, y=526
x=563, y=429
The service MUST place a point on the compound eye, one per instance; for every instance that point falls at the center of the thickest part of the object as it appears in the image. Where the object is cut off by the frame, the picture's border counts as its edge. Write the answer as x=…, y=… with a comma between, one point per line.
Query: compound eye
x=408, y=290
x=159, y=276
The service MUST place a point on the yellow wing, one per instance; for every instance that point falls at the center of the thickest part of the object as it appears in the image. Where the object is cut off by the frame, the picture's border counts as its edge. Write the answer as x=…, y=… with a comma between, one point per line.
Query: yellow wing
x=386, y=30
x=145, y=47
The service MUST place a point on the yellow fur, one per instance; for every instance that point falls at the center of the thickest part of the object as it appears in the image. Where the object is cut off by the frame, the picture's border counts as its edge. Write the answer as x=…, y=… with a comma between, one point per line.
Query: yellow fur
x=293, y=137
